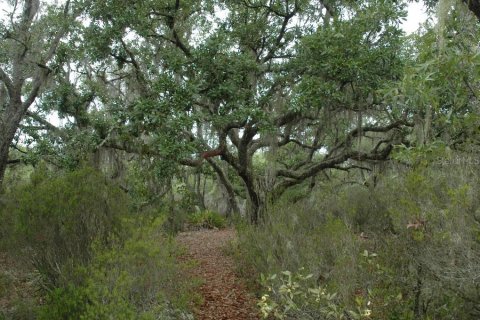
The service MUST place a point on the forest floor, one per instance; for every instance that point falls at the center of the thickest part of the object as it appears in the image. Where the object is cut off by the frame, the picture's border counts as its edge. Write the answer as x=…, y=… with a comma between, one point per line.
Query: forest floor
x=17, y=285
x=224, y=295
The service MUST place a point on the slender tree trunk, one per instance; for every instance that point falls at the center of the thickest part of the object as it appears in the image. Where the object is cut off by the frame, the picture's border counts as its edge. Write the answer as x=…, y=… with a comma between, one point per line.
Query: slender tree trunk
x=198, y=189
x=198, y=173
x=232, y=200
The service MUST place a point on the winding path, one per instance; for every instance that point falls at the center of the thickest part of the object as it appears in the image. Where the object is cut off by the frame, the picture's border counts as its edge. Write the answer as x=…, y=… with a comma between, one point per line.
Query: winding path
x=224, y=295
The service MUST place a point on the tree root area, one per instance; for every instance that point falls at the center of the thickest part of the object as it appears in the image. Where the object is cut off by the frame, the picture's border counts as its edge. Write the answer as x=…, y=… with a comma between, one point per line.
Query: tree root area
x=224, y=295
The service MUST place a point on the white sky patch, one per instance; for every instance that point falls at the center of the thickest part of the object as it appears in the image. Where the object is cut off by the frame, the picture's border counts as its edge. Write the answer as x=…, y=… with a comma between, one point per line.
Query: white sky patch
x=417, y=15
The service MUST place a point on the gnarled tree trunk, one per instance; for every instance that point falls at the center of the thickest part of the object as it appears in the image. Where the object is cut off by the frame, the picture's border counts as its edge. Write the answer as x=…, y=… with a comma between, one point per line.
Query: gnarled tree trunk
x=9, y=123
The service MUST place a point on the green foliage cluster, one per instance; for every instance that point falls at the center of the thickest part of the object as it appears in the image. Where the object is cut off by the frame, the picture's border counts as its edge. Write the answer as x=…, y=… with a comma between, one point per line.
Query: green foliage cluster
x=405, y=249
x=59, y=217
x=140, y=279
x=291, y=296
x=158, y=195
x=207, y=219
x=181, y=204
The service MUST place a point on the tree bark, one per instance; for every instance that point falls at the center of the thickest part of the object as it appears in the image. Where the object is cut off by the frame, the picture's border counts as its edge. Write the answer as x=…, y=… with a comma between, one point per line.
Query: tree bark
x=197, y=186
x=3, y=159
x=8, y=127
x=254, y=203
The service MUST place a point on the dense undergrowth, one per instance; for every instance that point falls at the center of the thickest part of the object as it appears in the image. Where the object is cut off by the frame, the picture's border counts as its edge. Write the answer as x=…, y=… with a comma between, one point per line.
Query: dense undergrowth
x=91, y=254
x=408, y=248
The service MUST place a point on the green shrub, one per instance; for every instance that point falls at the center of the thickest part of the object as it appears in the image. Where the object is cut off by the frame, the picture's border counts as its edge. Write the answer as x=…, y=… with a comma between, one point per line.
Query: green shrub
x=409, y=247
x=59, y=218
x=141, y=279
x=296, y=236
x=65, y=303
x=207, y=219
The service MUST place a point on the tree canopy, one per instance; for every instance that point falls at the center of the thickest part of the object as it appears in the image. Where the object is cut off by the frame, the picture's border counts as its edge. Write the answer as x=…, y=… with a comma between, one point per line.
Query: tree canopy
x=279, y=91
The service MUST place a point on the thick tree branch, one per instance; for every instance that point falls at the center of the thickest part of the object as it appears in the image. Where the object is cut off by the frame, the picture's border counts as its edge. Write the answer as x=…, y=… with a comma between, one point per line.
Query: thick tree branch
x=295, y=177
x=348, y=168
x=362, y=130
x=171, y=21
x=286, y=120
x=334, y=159
x=281, y=35
x=227, y=184
x=270, y=8
x=14, y=161
x=38, y=82
x=234, y=137
x=34, y=128
x=313, y=147
x=138, y=69
x=45, y=123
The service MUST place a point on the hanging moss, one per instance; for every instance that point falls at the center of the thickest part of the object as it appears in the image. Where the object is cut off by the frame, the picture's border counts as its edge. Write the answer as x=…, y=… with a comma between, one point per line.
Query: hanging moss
x=443, y=9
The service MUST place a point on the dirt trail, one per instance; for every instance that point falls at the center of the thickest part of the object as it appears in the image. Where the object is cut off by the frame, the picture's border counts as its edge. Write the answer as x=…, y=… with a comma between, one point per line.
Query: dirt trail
x=225, y=297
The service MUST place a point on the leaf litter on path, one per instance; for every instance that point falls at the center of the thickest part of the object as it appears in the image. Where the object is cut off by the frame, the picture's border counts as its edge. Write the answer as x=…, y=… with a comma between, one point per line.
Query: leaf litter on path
x=225, y=297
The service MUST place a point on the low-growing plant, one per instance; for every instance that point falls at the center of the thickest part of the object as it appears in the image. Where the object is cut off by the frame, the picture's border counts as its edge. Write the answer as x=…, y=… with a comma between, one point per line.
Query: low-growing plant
x=292, y=296
x=24, y=309
x=207, y=219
